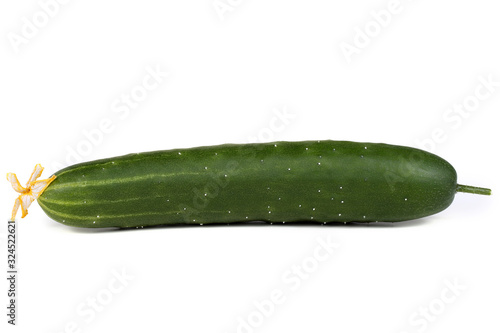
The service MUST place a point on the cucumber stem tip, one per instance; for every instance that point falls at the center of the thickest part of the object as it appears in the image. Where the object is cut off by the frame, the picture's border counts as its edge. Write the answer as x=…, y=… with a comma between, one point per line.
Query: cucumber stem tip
x=473, y=189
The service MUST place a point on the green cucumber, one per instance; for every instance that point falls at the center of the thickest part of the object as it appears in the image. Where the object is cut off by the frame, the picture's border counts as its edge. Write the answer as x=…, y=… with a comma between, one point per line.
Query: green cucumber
x=315, y=181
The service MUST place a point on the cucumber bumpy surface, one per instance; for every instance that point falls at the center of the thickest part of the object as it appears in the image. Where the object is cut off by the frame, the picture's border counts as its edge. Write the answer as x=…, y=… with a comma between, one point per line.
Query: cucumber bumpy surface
x=314, y=181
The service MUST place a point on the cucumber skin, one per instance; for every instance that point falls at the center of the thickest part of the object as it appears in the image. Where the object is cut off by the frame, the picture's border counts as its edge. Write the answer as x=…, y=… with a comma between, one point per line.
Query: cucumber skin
x=314, y=181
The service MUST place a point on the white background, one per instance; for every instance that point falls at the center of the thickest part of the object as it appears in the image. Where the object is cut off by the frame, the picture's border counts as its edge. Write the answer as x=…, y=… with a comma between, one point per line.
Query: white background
x=65, y=67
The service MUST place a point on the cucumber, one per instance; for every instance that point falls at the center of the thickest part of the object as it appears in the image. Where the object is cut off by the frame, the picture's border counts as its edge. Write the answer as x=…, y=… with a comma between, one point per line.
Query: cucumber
x=277, y=182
